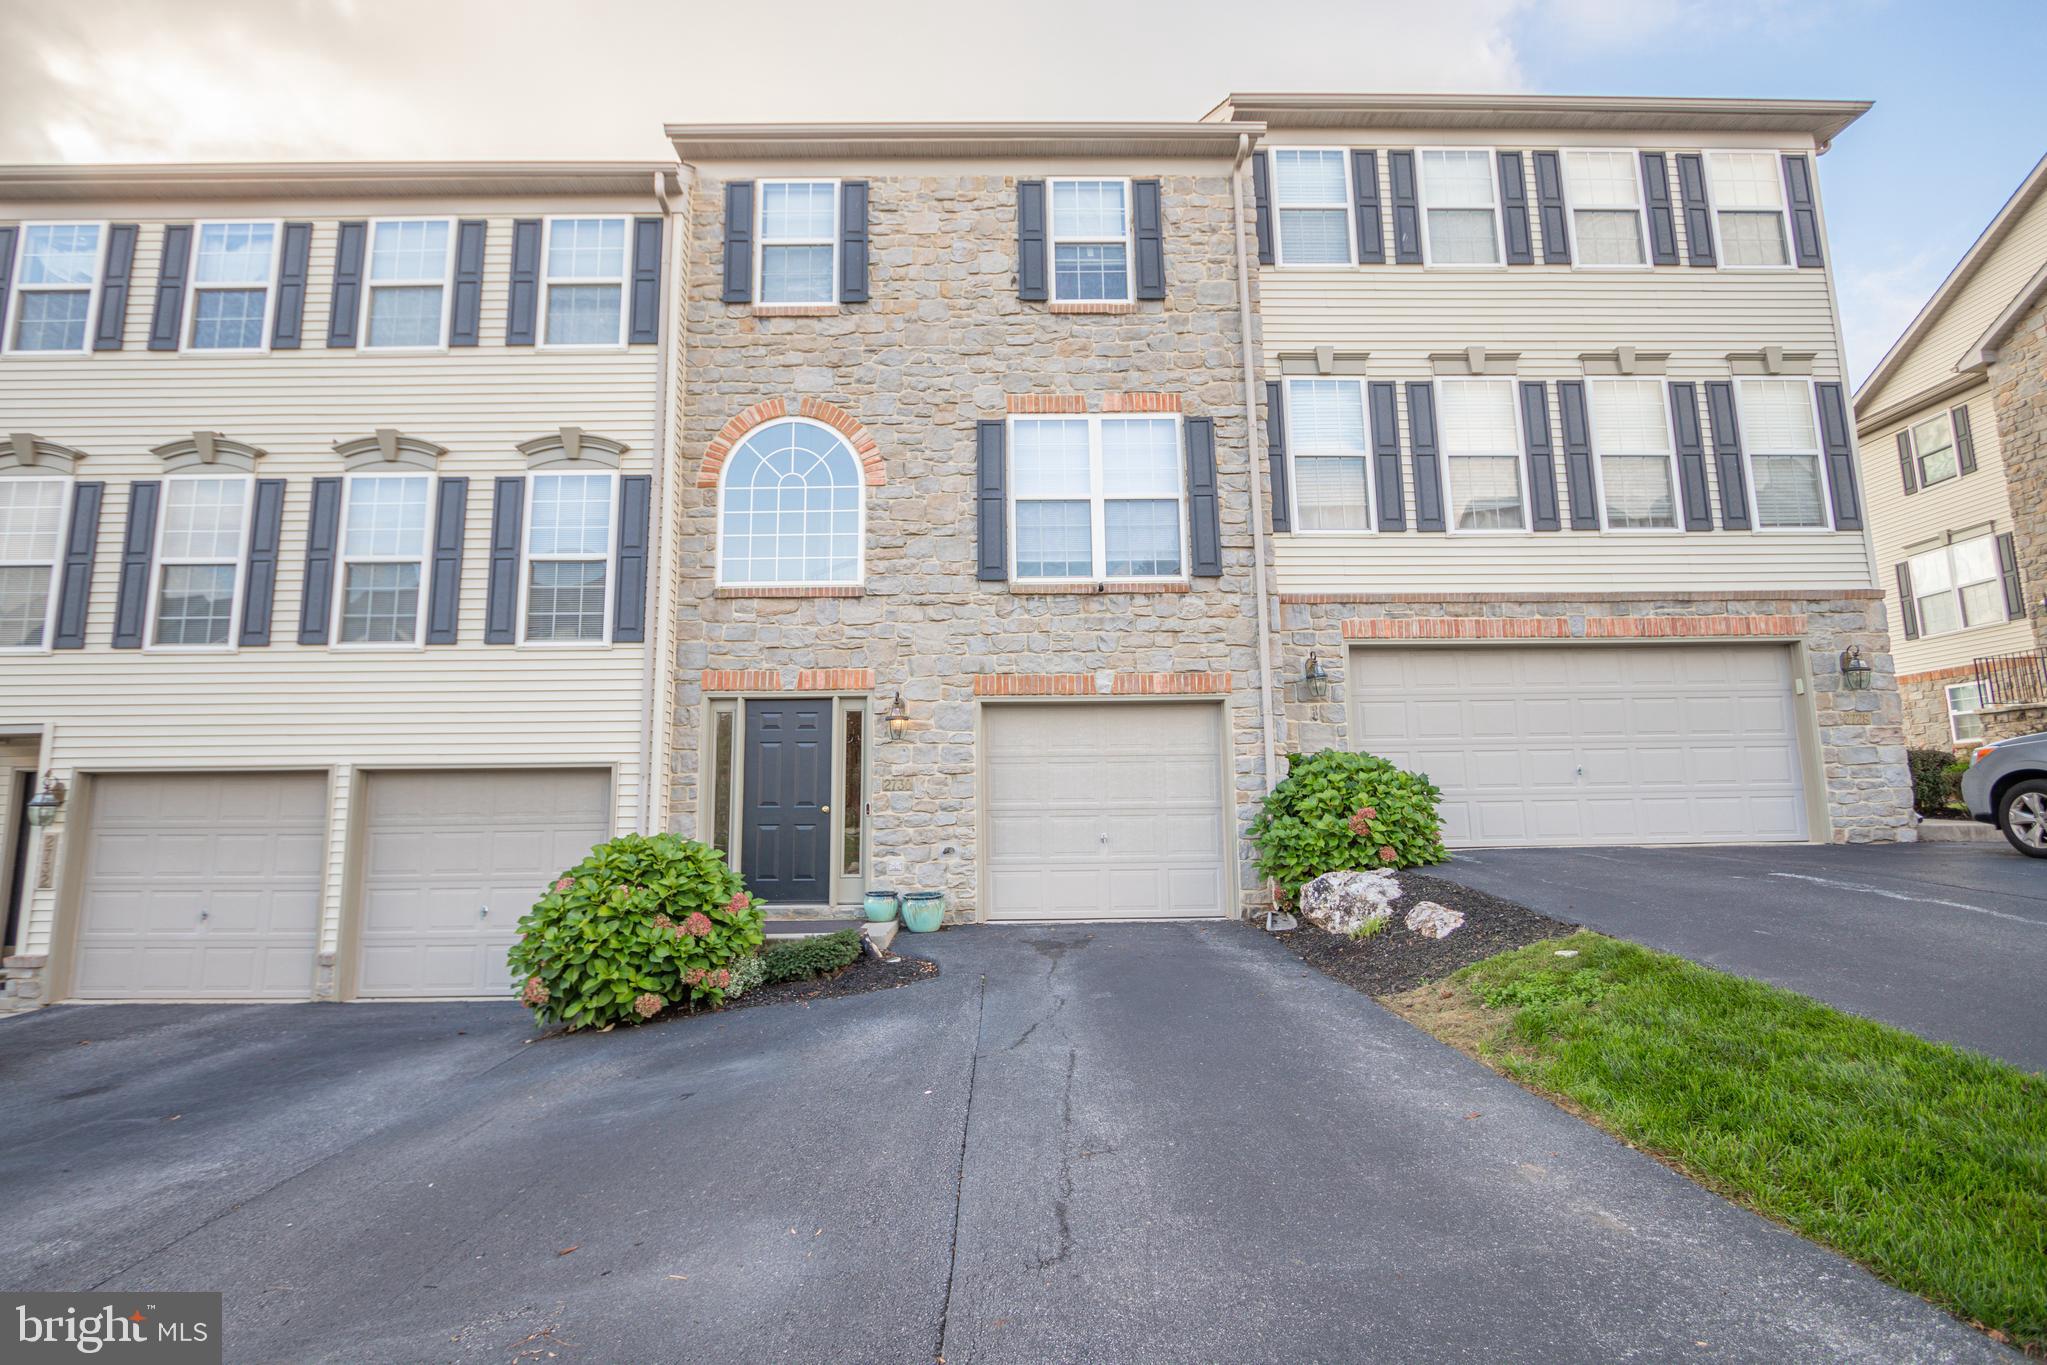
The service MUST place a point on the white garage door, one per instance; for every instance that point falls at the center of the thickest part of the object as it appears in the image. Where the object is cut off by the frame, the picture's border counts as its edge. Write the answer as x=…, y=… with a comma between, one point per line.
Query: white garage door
x=1592, y=744
x=202, y=887
x=1105, y=811
x=452, y=860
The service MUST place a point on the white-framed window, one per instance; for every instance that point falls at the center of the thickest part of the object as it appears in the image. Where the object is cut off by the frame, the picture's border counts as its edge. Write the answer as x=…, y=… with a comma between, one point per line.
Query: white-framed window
x=1637, y=457
x=798, y=241
x=1933, y=446
x=1460, y=206
x=199, y=540
x=1096, y=498
x=32, y=516
x=405, y=304
x=1964, y=712
x=384, y=520
x=233, y=268
x=56, y=280
x=1781, y=433
x=791, y=504
x=1747, y=193
x=1090, y=230
x=1479, y=425
x=1604, y=190
x=1331, y=455
x=1958, y=585
x=566, y=592
x=585, y=278
x=1311, y=203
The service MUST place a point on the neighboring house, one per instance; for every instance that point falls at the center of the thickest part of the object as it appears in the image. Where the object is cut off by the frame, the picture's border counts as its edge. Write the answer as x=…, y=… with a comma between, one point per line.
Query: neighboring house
x=325, y=496
x=1954, y=456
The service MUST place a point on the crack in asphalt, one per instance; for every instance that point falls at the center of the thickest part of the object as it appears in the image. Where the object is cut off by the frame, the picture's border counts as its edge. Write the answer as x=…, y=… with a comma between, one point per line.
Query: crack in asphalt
x=959, y=1189
x=1063, y=1200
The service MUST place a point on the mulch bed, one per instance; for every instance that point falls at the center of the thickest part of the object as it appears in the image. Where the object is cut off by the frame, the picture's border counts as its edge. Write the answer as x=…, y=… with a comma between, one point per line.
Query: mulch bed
x=1396, y=959
x=866, y=974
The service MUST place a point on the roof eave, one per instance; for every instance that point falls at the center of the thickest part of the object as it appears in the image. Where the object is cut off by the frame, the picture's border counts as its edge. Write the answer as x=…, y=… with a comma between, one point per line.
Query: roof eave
x=1822, y=120
x=824, y=141
x=336, y=180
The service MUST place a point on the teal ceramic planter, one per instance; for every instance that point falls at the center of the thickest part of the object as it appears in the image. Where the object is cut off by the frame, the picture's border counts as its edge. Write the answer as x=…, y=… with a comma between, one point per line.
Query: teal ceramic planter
x=882, y=906
x=923, y=911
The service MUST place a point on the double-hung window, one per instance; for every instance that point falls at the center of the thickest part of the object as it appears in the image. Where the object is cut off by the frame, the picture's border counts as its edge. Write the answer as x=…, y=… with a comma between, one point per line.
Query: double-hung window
x=383, y=558
x=1459, y=207
x=1325, y=421
x=232, y=269
x=1604, y=190
x=585, y=282
x=1090, y=241
x=407, y=301
x=1097, y=498
x=31, y=539
x=568, y=558
x=199, y=558
x=1631, y=434
x=1956, y=586
x=1933, y=445
x=1747, y=190
x=1964, y=712
x=1481, y=437
x=1778, y=427
x=799, y=237
x=1311, y=193
x=54, y=282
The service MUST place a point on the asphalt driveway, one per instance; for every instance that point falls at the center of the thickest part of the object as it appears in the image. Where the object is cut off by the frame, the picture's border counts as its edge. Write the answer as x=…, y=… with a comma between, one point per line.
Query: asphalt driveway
x=1947, y=940
x=1156, y=1142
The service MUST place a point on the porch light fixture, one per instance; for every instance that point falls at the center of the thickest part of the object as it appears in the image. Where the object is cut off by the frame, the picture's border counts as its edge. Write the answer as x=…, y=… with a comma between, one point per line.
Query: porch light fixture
x=898, y=717
x=1855, y=670
x=1315, y=679
x=44, y=805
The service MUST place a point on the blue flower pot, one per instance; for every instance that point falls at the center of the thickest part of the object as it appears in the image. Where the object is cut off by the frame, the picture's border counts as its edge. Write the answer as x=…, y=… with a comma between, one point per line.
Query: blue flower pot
x=882, y=906
x=923, y=911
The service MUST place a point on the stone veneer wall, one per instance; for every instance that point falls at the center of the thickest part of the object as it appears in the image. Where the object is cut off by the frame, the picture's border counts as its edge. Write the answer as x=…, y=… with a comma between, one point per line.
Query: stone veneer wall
x=2018, y=391
x=1925, y=701
x=944, y=343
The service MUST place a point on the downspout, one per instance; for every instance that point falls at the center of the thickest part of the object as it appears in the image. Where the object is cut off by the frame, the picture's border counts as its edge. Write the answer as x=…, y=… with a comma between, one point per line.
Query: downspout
x=657, y=638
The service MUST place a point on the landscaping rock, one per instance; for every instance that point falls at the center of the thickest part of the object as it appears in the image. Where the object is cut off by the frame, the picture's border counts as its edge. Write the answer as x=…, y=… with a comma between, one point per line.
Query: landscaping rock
x=1340, y=902
x=1433, y=920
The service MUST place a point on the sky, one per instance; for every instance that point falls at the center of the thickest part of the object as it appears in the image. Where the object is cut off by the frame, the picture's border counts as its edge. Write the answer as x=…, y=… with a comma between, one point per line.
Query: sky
x=1958, y=120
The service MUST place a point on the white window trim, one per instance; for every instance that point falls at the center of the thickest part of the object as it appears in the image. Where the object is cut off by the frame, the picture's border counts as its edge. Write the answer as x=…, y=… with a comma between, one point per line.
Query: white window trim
x=1097, y=500
x=761, y=242
x=1948, y=695
x=1421, y=199
x=859, y=578
x=1578, y=261
x=189, y=326
x=1053, y=240
x=1349, y=207
x=547, y=283
x=371, y=286
x=342, y=559
x=1919, y=459
x=1749, y=452
x=17, y=290
x=1444, y=459
x=1677, y=512
x=1713, y=207
x=1294, y=451
x=67, y=495
x=1947, y=547
x=527, y=558
x=158, y=563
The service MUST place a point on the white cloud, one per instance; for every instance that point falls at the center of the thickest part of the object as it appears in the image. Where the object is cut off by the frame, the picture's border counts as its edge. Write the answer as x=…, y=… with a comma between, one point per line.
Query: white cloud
x=1879, y=303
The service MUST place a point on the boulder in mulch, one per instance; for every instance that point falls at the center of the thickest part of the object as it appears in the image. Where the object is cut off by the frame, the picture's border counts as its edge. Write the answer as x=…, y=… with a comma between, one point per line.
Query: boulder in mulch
x=1341, y=902
x=1433, y=920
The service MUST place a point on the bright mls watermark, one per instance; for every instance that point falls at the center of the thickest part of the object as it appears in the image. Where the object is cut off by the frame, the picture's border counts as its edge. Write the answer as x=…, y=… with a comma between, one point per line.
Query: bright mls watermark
x=167, y=1329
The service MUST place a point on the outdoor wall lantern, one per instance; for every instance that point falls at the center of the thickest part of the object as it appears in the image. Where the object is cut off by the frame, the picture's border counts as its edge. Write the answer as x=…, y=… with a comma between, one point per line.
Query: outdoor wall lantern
x=1315, y=679
x=44, y=805
x=1855, y=670
x=898, y=717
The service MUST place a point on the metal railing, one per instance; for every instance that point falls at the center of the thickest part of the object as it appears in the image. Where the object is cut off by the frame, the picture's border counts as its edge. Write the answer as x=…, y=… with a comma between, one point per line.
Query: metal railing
x=2012, y=679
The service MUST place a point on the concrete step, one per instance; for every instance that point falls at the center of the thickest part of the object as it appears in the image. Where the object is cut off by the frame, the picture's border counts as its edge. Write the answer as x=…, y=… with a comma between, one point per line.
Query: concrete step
x=1958, y=832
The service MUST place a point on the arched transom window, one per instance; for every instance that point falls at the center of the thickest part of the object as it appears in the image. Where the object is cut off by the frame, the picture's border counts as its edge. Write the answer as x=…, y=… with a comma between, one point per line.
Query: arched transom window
x=789, y=512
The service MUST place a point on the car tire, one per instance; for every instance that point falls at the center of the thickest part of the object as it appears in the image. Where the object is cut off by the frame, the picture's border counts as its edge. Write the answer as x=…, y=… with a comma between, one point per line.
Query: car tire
x=2022, y=815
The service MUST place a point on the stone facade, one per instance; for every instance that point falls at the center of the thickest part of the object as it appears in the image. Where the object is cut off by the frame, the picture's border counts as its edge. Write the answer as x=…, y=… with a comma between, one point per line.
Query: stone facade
x=2018, y=389
x=1924, y=696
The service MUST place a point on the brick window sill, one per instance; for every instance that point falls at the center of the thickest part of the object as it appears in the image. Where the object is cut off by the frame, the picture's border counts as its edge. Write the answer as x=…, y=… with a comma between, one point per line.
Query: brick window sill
x=1094, y=589
x=1089, y=306
x=794, y=310
x=835, y=590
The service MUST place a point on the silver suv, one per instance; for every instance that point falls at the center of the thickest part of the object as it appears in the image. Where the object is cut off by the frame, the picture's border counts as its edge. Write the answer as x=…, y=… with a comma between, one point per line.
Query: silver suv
x=2006, y=786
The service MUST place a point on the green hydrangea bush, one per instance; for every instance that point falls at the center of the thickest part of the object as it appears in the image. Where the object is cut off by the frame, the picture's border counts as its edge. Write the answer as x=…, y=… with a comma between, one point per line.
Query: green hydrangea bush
x=1337, y=811
x=642, y=924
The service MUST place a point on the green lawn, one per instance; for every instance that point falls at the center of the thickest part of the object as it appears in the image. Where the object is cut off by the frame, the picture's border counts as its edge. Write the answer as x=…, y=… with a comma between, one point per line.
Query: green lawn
x=1925, y=1163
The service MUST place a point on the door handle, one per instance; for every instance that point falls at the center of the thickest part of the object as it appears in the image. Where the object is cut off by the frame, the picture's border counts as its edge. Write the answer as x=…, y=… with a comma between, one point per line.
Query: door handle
x=824, y=810
x=483, y=912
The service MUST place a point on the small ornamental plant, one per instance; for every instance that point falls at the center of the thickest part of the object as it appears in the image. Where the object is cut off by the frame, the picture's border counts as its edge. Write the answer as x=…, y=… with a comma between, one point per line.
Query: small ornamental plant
x=643, y=924
x=1344, y=812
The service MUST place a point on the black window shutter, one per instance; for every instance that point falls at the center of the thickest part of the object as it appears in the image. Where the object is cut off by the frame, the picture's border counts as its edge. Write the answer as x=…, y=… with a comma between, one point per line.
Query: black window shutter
x=1578, y=455
x=259, y=580
x=323, y=541
x=522, y=299
x=1542, y=457
x=1965, y=438
x=635, y=515
x=1727, y=456
x=1364, y=179
x=1840, y=456
x=1662, y=222
x=74, y=594
x=1204, y=500
x=1549, y=197
x=166, y=319
x=1261, y=201
x=501, y=604
x=1032, y=281
x=1805, y=211
x=1908, y=463
x=345, y=305
x=138, y=544
x=465, y=311
x=2008, y=567
x=1407, y=214
x=991, y=503
x=853, y=262
x=1275, y=455
x=1386, y=455
x=1691, y=457
x=1908, y=610
x=114, y=282
x=738, y=242
x=1148, y=217
x=7, y=236
x=1691, y=189
x=1421, y=440
x=293, y=262
x=444, y=588
x=643, y=324
x=1514, y=209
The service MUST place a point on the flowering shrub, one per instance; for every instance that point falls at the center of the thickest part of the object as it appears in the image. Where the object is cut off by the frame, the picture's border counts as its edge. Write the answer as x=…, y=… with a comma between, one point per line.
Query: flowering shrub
x=641, y=924
x=1338, y=811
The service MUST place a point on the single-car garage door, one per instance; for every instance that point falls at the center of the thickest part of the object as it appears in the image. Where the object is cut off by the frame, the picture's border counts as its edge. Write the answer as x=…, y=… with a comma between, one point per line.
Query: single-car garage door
x=1105, y=811
x=201, y=886
x=1588, y=744
x=452, y=860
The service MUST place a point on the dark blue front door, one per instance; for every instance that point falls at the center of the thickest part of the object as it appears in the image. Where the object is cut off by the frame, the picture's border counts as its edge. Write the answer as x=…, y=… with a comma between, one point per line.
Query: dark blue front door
x=785, y=844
